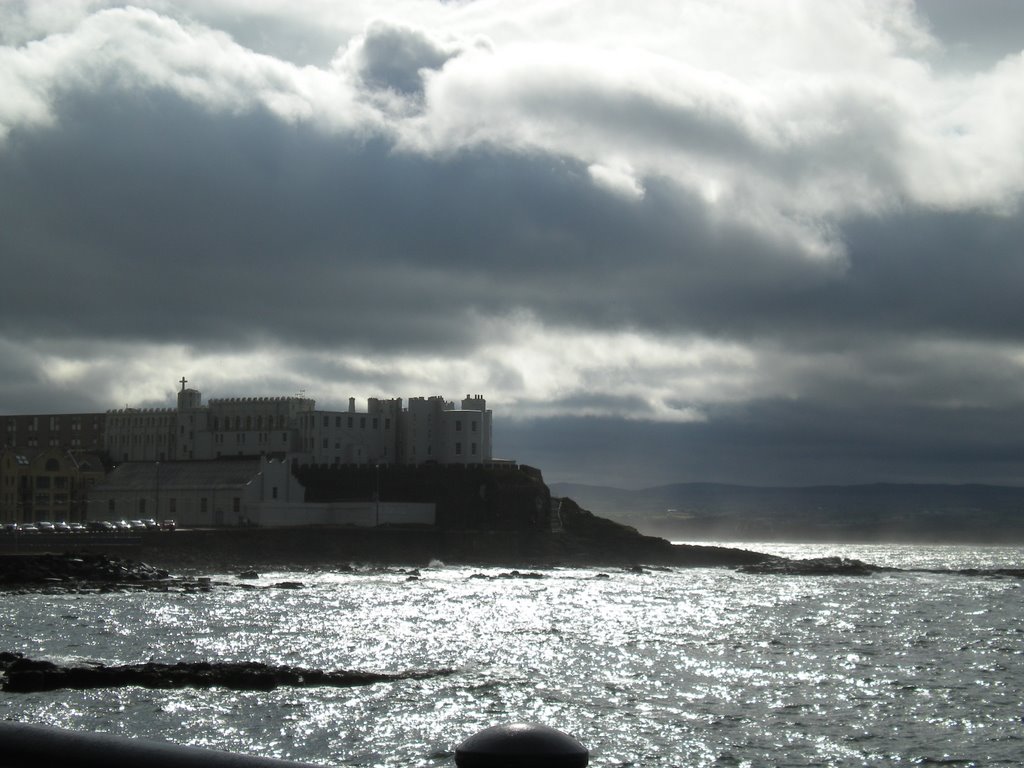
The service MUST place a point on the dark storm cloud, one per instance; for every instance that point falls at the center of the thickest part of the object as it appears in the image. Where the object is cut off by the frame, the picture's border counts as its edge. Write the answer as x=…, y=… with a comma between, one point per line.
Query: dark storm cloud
x=804, y=260
x=777, y=443
x=151, y=219
x=189, y=228
x=393, y=57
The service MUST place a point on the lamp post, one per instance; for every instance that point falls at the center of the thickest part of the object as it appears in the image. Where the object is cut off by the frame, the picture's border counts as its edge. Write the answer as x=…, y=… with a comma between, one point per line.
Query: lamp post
x=376, y=493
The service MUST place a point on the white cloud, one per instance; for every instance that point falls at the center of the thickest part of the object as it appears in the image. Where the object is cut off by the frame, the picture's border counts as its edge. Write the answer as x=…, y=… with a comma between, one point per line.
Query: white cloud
x=618, y=179
x=812, y=110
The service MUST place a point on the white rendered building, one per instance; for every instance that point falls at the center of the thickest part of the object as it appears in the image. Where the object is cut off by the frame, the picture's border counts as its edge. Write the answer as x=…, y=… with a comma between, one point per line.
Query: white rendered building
x=429, y=430
x=244, y=492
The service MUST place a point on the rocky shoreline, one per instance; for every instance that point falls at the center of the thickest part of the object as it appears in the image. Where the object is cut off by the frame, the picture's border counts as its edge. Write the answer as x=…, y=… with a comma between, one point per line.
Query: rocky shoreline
x=91, y=573
x=19, y=674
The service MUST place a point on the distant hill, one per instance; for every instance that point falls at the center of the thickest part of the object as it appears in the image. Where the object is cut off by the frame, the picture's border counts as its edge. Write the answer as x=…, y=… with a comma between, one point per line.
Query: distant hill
x=877, y=512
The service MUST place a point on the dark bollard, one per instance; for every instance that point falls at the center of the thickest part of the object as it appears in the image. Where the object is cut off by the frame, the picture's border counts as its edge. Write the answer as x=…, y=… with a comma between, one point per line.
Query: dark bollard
x=23, y=745
x=521, y=745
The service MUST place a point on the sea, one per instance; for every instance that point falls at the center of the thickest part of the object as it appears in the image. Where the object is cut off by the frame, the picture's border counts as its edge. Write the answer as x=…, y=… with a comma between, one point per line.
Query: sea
x=664, y=667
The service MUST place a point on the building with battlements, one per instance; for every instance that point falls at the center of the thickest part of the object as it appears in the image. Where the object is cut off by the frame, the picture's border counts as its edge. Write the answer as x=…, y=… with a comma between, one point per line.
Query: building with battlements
x=430, y=429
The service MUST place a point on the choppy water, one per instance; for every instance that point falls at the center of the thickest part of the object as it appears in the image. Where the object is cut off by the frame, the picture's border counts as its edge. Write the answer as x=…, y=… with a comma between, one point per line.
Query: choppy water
x=703, y=667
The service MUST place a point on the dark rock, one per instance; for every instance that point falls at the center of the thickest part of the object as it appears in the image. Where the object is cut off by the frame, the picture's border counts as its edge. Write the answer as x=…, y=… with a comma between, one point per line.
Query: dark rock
x=289, y=585
x=819, y=566
x=249, y=574
x=509, y=575
x=22, y=675
x=50, y=570
x=520, y=575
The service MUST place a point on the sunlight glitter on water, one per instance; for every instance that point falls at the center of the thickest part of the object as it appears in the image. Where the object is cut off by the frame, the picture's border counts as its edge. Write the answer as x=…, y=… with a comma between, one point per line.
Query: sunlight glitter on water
x=675, y=667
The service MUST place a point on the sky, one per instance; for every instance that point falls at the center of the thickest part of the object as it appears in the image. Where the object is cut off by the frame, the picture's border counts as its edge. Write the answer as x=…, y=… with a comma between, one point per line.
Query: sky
x=768, y=243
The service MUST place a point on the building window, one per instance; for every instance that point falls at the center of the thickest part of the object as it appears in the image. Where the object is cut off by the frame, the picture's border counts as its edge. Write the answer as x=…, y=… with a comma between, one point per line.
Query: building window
x=172, y=506
x=458, y=425
x=236, y=505
x=327, y=421
x=273, y=492
x=458, y=449
x=337, y=421
x=362, y=422
x=373, y=424
x=203, y=505
x=387, y=423
x=325, y=443
x=472, y=426
x=473, y=449
x=350, y=422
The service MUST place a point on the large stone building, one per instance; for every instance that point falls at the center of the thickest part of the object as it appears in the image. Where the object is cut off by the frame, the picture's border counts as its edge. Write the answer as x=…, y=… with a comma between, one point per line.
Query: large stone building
x=429, y=430
x=74, y=431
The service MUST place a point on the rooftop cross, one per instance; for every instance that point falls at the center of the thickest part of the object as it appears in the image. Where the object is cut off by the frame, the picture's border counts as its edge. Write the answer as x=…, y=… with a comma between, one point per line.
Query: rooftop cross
x=183, y=382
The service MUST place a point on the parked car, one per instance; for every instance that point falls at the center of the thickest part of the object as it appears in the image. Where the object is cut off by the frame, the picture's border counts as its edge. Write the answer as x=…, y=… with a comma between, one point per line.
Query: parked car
x=168, y=525
x=122, y=525
x=151, y=524
x=45, y=526
x=10, y=527
x=76, y=527
x=100, y=526
x=137, y=525
x=62, y=527
x=28, y=528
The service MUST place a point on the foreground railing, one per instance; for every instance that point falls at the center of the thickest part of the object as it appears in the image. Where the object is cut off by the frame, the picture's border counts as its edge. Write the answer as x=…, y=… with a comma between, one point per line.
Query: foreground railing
x=31, y=746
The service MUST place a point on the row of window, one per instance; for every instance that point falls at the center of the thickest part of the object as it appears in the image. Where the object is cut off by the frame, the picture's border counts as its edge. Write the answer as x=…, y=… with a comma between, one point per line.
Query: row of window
x=235, y=423
x=172, y=505
x=240, y=437
x=51, y=500
x=140, y=439
x=350, y=422
x=53, y=424
x=337, y=446
x=142, y=421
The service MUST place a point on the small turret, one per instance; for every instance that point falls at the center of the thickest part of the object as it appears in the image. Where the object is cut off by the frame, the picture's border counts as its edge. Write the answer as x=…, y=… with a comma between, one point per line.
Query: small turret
x=474, y=403
x=188, y=399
